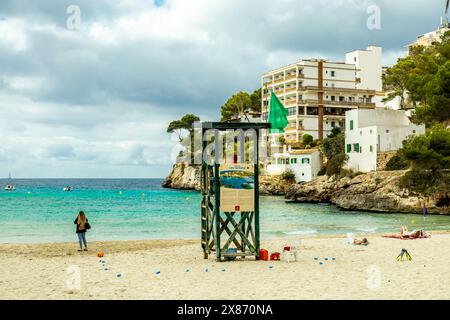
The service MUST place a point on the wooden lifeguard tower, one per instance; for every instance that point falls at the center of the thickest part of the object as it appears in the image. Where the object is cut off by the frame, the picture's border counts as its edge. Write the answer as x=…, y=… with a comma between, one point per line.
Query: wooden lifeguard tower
x=230, y=233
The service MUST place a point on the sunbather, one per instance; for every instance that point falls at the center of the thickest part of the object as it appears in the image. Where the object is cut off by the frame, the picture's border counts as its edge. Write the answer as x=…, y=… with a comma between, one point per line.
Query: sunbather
x=405, y=234
x=413, y=234
x=362, y=242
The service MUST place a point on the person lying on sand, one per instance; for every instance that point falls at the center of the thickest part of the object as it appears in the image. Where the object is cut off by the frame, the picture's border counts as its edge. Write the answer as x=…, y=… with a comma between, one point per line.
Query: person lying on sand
x=413, y=234
x=405, y=234
x=362, y=242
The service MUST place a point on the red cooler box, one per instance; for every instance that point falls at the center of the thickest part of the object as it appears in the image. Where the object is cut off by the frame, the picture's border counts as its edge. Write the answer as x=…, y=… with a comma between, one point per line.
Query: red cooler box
x=263, y=254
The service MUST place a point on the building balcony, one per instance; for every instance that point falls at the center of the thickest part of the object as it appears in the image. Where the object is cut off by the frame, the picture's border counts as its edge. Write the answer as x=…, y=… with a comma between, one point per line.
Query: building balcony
x=350, y=103
x=312, y=102
x=338, y=89
x=294, y=89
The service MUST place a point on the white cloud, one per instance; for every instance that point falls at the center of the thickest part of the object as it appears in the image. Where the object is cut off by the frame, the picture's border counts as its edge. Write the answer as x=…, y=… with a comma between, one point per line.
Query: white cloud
x=96, y=101
x=12, y=35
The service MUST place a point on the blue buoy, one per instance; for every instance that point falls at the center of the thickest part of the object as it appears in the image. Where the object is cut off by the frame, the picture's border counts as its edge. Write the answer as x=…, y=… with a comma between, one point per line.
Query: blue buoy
x=158, y=272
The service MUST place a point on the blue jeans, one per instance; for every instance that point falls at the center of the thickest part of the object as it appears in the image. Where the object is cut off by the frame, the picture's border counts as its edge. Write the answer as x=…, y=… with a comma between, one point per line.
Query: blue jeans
x=82, y=239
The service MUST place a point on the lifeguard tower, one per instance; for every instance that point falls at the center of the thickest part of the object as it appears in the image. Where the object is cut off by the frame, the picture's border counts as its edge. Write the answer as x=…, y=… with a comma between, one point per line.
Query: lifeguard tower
x=230, y=191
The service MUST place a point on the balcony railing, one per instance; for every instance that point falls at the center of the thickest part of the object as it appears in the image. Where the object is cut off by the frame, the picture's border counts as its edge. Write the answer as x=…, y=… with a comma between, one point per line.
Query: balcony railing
x=366, y=91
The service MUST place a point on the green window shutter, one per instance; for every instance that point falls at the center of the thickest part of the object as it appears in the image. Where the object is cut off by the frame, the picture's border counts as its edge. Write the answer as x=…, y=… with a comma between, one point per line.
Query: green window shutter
x=349, y=148
x=351, y=124
x=360, y=149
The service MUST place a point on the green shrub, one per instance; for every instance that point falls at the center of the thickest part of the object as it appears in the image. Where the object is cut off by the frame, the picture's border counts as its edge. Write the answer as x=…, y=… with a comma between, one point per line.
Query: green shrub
x=426, y=181
x=397, y=163
x=322, y=171
x=307, y=139
x=288, y=175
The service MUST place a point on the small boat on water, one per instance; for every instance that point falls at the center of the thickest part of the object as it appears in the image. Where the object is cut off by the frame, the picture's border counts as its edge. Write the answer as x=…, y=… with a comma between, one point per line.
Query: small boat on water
x=10, y=186
x=68, y=189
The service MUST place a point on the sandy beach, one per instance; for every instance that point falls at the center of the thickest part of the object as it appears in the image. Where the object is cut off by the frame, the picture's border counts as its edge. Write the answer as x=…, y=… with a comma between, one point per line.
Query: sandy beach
x=47, y=271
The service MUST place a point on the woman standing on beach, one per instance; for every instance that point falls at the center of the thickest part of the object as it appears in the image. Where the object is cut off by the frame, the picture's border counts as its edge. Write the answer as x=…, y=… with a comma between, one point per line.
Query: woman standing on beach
x=82, y=226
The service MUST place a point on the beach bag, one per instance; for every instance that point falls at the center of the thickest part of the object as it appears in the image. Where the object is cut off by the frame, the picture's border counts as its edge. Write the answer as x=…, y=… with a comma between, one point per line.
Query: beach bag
x=87, y=226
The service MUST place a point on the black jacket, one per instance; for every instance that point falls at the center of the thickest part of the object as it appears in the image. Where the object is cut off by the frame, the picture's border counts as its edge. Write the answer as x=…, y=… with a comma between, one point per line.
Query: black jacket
x=78, y=226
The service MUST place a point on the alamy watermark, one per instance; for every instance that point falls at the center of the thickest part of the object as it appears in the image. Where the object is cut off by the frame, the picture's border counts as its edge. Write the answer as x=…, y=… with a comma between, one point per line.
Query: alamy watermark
x=374, y=20
x=73, y=281
x=73, y=22
x=373, y=277
x=225, y=146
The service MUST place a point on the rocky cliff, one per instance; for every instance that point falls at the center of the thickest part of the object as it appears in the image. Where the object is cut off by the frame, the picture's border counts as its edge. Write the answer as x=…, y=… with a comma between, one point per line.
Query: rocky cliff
x=373, y=191
x=183, y=177
x=274, y=185
x=188, y=177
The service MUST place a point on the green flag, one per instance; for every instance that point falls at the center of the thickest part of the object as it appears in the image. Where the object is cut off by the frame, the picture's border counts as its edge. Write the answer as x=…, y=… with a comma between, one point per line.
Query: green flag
x=277, y=115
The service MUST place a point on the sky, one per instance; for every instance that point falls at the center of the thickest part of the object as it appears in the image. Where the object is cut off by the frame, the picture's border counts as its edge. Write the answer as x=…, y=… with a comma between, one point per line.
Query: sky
x=92, y=97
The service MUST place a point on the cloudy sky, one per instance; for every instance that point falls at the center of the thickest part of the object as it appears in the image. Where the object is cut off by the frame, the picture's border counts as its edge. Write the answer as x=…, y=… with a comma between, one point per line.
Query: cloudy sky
x=94, y=101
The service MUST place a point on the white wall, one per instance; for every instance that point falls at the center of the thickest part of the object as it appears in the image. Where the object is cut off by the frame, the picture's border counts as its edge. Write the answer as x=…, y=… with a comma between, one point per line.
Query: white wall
x=369, y=64
x=302, y=171
x=391, y=138
x=366, y=159
x=376, y=131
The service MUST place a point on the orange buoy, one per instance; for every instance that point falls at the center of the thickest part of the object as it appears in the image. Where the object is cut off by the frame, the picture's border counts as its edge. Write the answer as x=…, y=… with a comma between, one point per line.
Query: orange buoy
x=100, y=254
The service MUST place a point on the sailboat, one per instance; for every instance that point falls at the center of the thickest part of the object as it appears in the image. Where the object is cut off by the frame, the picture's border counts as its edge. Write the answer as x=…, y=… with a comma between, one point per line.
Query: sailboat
x=10, y=186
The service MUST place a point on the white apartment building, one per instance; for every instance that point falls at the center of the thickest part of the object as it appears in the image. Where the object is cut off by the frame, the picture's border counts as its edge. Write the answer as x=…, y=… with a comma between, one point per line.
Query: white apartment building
x=304, y=163
x=372, y=134
x=313, y=88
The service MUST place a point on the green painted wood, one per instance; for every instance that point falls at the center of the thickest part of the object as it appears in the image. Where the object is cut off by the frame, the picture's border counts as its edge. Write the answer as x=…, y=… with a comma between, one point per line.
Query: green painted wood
x=245, y=234
x=257, y=239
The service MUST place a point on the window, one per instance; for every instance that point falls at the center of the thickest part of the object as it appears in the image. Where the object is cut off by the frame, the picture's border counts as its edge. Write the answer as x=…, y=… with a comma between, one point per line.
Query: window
x=371, y=148
x=387, y=131
x=354, y=59
x=360, y=149
x=292, y=111
x=356, y=147
x=312, y=111
x=333, y=73
x=293, y=160
x=305, y=160
x=349, y=148
x=351, y=124
x=333, y=124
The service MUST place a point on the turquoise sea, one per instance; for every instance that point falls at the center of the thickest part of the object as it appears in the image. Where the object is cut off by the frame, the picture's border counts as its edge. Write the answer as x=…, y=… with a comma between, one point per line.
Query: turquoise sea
x=40, y=211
